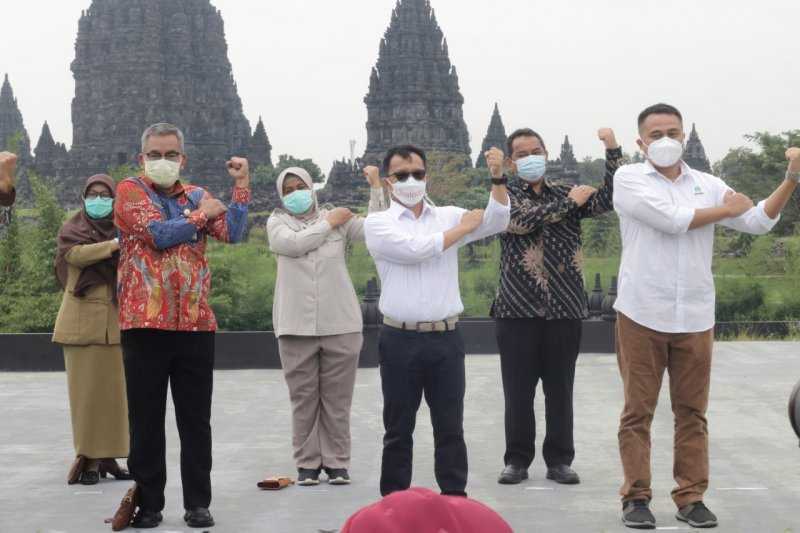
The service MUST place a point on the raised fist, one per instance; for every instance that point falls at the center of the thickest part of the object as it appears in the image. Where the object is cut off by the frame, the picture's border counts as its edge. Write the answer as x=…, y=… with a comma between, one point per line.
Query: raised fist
x=239, y=169
x=373, y=175
x=339, y=216
x=8, y=169
x=792, y=154
x=609, y=139
x=494, y=160
x=581, y=194
x=737, y=203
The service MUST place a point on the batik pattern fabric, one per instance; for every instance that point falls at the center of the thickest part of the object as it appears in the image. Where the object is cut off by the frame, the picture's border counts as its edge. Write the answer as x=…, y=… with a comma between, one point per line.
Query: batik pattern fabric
x=541, y=266
x=164, y=279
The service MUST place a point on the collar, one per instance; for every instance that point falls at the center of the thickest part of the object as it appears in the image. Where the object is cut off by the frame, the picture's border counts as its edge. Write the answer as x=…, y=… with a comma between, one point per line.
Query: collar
x=398, y=210
x=686, y=171
x=176, y=189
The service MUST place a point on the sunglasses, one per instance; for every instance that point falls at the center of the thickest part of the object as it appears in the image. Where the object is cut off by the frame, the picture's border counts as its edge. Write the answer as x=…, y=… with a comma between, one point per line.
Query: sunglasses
x=419, y=175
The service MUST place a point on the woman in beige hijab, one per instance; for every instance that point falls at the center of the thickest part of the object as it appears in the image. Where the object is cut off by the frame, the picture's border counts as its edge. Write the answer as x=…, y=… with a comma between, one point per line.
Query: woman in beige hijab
x=317, y=319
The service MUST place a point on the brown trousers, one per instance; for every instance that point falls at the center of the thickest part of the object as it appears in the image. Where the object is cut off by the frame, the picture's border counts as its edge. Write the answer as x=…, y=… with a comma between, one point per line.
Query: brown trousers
x=321, y=375
x=643, y=355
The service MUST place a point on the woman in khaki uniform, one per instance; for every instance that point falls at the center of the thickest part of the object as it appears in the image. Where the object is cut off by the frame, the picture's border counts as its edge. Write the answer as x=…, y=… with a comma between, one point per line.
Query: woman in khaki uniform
x=86, y=267
x=317, y=320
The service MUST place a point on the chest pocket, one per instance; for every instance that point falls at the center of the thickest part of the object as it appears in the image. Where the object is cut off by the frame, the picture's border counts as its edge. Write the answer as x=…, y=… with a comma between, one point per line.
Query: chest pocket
x=333, y=246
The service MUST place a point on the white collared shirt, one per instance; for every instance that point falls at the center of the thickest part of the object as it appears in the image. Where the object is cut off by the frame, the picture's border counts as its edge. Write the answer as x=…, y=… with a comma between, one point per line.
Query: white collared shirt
x=665, y=279
x=419, y=280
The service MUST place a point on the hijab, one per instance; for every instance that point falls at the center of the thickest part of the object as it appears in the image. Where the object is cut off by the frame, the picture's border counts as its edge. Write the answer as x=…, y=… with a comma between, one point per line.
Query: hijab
x=82, y=229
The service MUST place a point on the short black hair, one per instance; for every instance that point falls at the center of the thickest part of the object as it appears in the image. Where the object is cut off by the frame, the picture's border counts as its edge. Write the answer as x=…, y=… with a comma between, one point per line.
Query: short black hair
x=405, y=151
x=522, y=132
x=659, y=109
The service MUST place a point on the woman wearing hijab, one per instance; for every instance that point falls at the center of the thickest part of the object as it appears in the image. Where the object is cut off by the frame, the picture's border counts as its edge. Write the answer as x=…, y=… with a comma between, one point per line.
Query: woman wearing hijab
x=317, y=319
x=86, y=267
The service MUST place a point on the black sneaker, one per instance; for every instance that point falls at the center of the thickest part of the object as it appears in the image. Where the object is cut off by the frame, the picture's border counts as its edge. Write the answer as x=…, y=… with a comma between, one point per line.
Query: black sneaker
x=146, y=519
x=198, y=517
x=308, y=477
x=697, y=515
x=636, y=515
x=338, y=476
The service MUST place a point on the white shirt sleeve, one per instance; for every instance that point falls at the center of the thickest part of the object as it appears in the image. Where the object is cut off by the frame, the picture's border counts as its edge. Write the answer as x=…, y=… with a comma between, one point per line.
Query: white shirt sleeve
x=754, y=221
x=385, y=240
x=496, y=217
x=638, y=199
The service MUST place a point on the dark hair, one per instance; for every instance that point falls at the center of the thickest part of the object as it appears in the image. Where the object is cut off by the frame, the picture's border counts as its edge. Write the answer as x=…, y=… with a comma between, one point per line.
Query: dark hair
x=405, y=151
x=522, y=132
x=659, y=109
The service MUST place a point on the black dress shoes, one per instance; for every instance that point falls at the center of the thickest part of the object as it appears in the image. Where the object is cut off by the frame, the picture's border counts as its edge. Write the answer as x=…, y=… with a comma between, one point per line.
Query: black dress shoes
x=563, y=474
x=146, y=519
x=198, y=517
x=512, y=475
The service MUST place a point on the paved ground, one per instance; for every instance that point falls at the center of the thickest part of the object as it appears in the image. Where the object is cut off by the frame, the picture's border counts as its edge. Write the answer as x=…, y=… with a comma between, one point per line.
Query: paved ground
x=755, y=455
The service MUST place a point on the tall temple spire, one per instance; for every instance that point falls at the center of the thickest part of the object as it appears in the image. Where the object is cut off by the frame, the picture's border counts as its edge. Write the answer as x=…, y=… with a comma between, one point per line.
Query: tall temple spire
x=122, y=41
x=565, y=168
x=414, y=95
x=12, y=125
x=260, y=152
x=46, y=153
x=695, y=155
x=495, y=137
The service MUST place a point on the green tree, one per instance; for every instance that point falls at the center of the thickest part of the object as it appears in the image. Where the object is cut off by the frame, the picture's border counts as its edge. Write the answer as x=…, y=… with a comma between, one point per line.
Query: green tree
x=268, y=175
x=756, y=172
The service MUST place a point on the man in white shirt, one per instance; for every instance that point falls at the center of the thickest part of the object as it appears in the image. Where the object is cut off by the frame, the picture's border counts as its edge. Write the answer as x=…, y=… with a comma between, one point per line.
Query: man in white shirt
x=665, y=306
x=415, y=247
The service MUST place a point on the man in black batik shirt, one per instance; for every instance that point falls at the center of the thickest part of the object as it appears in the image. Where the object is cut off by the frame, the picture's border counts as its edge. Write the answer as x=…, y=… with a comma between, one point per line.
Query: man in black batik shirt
x=541, y=302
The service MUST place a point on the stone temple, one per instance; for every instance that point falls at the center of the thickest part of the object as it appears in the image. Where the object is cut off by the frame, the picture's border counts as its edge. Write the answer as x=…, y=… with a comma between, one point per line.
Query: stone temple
x=565, y=168
x=414, y=96
x=138, y=62
x=495, y=137
x=695, y=154
x=12, y=125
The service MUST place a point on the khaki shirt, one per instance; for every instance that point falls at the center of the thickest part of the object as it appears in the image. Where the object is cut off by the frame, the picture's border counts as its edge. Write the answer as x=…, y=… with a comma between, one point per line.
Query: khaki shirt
x=314, y=295
x=92, y=319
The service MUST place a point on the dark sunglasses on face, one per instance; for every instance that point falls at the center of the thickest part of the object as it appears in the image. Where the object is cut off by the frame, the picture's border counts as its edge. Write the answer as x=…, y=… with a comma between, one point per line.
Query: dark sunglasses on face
x=419, y=175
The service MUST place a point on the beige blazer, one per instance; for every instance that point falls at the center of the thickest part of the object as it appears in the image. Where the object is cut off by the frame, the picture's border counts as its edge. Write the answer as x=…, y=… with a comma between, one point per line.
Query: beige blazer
x=92, y=319
x=314, y=295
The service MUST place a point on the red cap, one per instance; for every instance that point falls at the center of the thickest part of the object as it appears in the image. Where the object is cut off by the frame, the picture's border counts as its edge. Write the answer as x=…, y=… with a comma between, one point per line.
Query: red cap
x=423, y=511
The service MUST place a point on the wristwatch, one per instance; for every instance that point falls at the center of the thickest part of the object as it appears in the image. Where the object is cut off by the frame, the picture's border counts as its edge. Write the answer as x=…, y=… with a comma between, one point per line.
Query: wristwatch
x=794, y=176
x=500, y=181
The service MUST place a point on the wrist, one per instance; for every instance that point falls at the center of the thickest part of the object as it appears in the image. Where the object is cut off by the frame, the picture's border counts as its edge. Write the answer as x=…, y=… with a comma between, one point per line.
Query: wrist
x=793, y=176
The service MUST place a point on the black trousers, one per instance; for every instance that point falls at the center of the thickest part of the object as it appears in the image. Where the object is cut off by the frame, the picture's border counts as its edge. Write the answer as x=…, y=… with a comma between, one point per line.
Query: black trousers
x=185, y=361
x=413, y=364
x=533, y=350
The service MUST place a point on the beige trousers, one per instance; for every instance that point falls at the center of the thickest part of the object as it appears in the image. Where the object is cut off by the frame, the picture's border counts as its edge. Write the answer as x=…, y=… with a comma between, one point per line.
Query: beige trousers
x=321, y=375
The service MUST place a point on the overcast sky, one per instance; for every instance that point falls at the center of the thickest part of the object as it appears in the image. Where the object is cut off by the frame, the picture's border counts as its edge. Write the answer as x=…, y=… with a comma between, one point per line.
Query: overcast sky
x=561, y=67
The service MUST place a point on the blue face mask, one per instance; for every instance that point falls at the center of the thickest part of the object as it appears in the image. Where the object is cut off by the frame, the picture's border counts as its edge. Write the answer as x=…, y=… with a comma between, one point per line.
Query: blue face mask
x=532, y=168
x=298, y=202
x=98, y=207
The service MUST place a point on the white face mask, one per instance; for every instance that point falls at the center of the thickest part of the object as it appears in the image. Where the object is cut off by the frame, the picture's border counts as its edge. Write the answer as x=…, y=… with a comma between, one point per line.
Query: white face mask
x=409, y=192
x=665, y=152
x=163, y=172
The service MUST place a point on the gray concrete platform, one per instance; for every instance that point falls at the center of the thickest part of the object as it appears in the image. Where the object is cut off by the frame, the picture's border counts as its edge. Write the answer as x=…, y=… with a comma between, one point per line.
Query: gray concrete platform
x=755, y=459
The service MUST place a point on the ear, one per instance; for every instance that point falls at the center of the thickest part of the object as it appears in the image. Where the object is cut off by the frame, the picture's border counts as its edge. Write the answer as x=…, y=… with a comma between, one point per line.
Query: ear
x=641, y=146
x=140, y=159
x=184, y=160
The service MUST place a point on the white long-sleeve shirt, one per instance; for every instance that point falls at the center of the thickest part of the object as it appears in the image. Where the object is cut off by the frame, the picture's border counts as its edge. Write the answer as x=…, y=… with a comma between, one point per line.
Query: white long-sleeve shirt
x=665, y=279
x=419, y=279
